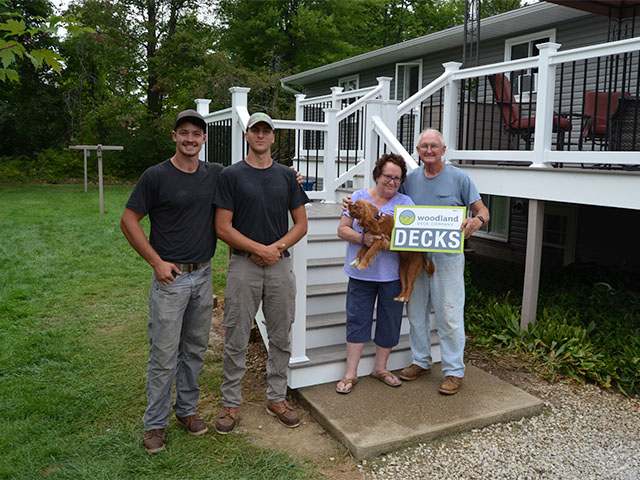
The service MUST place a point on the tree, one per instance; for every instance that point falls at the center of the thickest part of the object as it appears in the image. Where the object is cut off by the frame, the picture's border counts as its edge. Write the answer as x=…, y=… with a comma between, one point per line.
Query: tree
x=25, y=29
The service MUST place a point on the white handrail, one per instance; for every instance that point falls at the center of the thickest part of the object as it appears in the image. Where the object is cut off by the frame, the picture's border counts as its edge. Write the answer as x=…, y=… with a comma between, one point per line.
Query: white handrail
x=383, y=131
x=594, y=51
x=217, y=116
x=342, y=95
x=423, y=93
x=342, y=114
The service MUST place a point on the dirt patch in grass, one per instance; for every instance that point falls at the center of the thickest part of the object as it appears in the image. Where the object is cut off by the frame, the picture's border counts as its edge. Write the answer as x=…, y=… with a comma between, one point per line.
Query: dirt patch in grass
x=309, y=441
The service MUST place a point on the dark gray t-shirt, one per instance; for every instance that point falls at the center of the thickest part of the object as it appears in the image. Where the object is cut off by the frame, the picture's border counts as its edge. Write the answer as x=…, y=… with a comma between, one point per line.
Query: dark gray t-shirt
x=180, y=209
x=260, y=199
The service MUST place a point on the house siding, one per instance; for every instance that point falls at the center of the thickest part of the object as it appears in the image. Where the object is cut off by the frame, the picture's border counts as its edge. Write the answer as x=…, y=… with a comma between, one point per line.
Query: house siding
x=596, y=226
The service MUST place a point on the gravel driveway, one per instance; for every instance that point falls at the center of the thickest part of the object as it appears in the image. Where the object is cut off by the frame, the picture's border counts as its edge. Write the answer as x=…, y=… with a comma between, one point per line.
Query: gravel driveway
x=584, y=433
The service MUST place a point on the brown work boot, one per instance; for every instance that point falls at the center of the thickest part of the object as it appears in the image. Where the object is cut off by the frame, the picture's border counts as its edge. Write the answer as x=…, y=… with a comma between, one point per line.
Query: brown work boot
x=226, y=419
x=193, y=424
x=412, y=372
x=450, y=385
x=285, y=414
x=154, y=440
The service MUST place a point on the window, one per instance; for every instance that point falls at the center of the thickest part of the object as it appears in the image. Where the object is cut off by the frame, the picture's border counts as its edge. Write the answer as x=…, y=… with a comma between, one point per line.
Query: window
x=349, y=83
x=525, y=82
x=497, y=228
x=408, y=79
x=560, y=227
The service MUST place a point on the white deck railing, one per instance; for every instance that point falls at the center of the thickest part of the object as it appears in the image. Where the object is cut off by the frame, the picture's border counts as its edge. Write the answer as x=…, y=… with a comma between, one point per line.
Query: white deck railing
x=380, y=134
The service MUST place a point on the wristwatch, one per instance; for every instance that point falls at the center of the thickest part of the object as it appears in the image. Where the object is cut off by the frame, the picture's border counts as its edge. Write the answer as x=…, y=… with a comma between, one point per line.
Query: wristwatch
x=481, y=218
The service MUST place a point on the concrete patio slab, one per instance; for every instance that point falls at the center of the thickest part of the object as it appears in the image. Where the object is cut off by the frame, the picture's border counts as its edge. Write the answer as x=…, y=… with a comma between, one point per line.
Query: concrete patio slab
x=375, y=418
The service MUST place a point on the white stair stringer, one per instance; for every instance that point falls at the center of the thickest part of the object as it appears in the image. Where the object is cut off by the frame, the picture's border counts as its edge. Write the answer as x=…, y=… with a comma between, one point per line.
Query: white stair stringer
x=325, y=331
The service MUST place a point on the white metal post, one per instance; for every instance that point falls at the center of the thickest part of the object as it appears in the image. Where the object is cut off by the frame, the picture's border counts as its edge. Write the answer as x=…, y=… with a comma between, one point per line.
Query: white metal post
x=299, y=118
x=202, y=107
x=299, y=327
x=374, y=108
x=450, y=106
x=239, y=102
x=532, y=263
x=335, y=101
x=330, y=154
x=544, y=103
x=390, y=115
x=417, y=129
x=385, y=82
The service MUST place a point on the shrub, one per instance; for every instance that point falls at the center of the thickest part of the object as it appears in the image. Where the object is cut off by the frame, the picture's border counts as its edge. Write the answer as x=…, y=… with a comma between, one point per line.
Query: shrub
x=587, y=327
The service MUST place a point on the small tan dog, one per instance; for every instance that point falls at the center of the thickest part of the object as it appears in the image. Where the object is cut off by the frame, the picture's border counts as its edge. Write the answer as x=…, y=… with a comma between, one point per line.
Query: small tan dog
x=410, y=262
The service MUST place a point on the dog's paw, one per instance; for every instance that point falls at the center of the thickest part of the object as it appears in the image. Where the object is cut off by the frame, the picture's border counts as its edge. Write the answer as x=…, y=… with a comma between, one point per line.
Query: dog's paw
x=363, y=265
x=400, y=299
x=355, y=263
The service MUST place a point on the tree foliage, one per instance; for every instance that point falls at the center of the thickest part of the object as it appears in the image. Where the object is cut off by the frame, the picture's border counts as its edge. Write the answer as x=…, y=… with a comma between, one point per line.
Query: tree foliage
x=23, y=33
x=126, y=67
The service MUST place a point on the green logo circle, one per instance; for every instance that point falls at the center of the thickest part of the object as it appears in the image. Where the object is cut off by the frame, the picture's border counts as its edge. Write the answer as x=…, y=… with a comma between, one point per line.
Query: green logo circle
x=407, y=217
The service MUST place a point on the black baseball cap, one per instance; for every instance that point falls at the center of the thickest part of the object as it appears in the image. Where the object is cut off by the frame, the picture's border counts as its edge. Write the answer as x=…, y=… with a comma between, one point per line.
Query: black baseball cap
x=190, y=116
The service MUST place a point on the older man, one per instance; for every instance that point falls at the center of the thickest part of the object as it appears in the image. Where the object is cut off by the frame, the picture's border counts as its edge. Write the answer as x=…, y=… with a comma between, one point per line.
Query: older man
x=441, y=184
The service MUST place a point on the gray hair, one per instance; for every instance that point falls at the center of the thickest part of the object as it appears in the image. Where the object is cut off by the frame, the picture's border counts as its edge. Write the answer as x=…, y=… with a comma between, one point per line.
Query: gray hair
x=427, y=130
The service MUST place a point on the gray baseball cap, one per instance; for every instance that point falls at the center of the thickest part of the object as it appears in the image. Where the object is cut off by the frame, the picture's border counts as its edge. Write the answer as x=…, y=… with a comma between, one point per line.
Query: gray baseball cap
x=190, y=116
x=260, y=117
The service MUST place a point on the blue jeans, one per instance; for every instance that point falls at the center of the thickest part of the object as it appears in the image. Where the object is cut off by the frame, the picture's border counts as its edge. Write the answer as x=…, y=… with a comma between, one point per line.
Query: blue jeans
x=444, y=292
x=179, y=322
x=361, y=298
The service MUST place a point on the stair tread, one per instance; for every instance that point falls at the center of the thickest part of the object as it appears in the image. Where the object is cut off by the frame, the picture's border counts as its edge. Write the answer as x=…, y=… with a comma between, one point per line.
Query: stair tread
x=327, y=289
x=321, y=262
x=324, y=211
x=338, y=353
x=322, y=320
x=323, y=237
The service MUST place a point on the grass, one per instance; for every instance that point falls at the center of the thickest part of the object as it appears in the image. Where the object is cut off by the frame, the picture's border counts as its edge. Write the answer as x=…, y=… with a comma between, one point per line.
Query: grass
x=73, y=351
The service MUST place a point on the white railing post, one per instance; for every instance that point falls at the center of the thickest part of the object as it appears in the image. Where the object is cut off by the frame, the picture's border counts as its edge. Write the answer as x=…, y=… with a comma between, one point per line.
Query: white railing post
x=450, y=105
x=299, y=327
x=417, y=129
x=202, y=107
x=390, y=115
x=544, y=103
x=239, y=102
x=335, y=101
x=299, y=118
x=374, y=108
x=385, y=83
x=330, y=154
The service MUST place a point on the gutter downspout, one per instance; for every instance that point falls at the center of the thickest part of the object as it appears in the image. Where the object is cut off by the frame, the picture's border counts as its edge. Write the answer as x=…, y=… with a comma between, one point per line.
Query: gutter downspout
x=289, y=89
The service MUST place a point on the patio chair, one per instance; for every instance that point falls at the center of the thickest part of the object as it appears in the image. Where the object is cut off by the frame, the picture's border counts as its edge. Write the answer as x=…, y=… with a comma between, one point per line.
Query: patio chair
x=516, y=125
x=598, y=111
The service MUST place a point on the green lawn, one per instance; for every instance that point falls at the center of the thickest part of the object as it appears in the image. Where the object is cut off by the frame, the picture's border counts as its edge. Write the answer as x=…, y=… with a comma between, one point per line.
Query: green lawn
x=73, y=351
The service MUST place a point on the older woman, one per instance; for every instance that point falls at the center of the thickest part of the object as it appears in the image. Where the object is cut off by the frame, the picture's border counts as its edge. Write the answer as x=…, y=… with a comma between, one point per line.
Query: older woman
x=380, y=281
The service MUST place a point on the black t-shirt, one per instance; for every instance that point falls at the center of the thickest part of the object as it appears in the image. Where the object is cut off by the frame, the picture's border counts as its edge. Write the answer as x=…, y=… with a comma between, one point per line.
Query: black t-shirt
x=260, y=199
x=180, y=208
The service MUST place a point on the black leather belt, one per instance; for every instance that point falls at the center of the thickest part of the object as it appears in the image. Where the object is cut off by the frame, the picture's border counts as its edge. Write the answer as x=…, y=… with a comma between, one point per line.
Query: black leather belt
x=242, y=253
x=190, y=267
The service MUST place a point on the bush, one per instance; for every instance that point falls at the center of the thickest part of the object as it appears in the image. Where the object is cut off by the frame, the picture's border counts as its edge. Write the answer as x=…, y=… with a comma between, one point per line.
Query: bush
x=49, y=166
x=587, y=327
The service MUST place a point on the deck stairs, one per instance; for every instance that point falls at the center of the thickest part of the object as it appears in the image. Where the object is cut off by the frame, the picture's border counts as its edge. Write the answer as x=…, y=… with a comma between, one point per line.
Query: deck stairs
x=326, y=286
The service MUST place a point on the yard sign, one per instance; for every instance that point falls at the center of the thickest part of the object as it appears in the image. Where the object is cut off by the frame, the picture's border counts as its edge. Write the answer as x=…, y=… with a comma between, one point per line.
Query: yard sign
x=428, y=229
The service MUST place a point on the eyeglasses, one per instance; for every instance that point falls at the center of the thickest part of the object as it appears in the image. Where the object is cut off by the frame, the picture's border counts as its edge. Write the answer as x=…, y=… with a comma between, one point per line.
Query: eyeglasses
x=389, y=178
x=432, y=147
